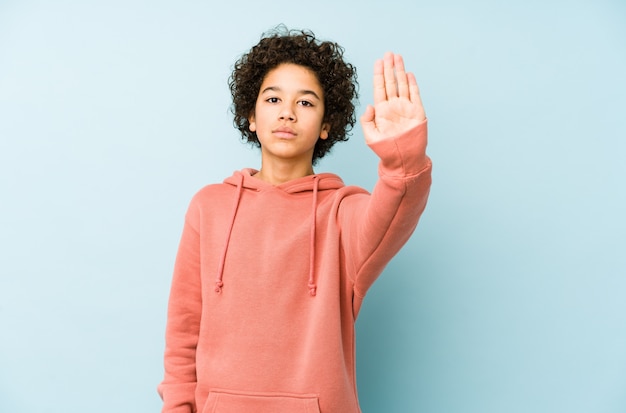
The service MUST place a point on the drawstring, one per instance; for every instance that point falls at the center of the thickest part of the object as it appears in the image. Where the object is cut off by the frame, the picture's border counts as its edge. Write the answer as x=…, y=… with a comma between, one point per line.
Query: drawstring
x=220, y=271
x=312, y=285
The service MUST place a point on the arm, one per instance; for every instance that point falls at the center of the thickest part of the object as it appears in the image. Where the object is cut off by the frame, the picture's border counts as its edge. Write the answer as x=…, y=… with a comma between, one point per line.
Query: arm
x=183, y=324
x=395, y=128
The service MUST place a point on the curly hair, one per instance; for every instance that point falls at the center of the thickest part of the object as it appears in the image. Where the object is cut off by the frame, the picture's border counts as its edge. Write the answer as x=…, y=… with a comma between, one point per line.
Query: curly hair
x=337, y=78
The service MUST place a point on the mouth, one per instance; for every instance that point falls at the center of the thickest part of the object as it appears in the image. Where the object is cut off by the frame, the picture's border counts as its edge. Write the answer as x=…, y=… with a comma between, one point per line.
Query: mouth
x=284, y=133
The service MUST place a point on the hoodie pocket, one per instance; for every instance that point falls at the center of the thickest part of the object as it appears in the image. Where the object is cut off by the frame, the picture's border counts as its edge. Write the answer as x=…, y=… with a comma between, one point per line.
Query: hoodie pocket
x=225, y=401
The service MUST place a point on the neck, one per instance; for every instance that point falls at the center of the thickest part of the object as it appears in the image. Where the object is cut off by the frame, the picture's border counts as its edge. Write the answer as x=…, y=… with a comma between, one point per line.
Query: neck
x=279, y=174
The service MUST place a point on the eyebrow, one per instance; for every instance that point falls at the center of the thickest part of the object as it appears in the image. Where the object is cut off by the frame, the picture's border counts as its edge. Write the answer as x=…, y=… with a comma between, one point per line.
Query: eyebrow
x=300, y=92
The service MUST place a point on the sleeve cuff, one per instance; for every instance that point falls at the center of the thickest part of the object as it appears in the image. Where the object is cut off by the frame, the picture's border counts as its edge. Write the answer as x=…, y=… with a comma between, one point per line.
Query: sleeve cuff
x=404, y=154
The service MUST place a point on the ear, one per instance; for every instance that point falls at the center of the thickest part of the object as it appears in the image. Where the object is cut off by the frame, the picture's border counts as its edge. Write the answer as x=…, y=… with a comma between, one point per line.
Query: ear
x=325, y=130
x=251, y=123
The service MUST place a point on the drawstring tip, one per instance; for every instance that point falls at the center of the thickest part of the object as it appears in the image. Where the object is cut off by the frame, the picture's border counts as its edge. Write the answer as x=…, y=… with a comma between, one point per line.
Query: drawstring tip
x=218, y=286
x=312, y=290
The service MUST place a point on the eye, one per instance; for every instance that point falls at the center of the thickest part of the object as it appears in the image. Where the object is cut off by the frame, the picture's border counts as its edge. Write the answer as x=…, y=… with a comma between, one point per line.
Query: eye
x=272, y=100
x=305, y=103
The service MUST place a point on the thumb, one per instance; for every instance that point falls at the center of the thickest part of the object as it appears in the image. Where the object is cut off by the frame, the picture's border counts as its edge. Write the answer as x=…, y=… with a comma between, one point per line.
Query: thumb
x=367, y=119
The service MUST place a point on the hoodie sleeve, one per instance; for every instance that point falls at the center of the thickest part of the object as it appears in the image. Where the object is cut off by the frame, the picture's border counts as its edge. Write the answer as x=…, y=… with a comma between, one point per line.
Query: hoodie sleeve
x=380, y=224
x=183, y=325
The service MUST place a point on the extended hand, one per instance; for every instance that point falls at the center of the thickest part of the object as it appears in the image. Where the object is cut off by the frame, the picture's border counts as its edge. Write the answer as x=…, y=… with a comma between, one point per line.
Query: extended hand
x=397, y=103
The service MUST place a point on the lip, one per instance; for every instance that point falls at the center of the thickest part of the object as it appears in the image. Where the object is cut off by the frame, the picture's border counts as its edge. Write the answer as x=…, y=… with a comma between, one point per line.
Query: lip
x=284, y=132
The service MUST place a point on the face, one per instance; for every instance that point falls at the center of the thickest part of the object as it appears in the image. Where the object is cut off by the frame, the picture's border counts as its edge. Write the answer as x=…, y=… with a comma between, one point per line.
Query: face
x=288, y=115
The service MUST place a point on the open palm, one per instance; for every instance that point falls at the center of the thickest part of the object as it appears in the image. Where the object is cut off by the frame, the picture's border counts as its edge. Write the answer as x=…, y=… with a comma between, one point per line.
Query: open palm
x=397, y=103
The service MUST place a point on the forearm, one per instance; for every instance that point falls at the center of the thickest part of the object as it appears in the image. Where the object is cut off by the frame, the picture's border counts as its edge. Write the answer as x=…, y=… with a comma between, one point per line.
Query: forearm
x=391, y=213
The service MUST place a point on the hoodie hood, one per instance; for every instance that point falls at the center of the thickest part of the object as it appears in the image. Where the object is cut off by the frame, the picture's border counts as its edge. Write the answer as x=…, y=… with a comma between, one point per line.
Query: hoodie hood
x=244, y=180
x=325, y=181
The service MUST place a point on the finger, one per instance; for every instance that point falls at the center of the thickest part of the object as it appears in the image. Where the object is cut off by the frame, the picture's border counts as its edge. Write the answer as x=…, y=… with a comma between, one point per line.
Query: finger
x=368, y=124
x=380, y=94
x=414, y=91
x=390, y=76
x=401, y=77
x=368, y=116
x=414, y=96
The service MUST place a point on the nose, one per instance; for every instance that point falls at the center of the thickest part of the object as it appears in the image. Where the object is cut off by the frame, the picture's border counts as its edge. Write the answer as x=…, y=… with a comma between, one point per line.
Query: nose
x=287, y=113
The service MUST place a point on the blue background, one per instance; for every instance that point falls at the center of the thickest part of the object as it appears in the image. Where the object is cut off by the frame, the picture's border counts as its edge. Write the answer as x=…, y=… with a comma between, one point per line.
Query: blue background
x=510, y=297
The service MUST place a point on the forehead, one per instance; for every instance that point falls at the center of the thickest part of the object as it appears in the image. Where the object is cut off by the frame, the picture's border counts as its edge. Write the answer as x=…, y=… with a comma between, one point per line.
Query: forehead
x=290, y=75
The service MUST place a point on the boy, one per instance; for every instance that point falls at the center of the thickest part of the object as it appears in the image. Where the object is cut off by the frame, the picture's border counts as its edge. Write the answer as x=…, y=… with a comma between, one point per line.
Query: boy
x=273, y=264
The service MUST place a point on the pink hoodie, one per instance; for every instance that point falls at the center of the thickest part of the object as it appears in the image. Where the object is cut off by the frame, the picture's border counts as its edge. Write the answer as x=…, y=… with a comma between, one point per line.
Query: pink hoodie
x=269, y=281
